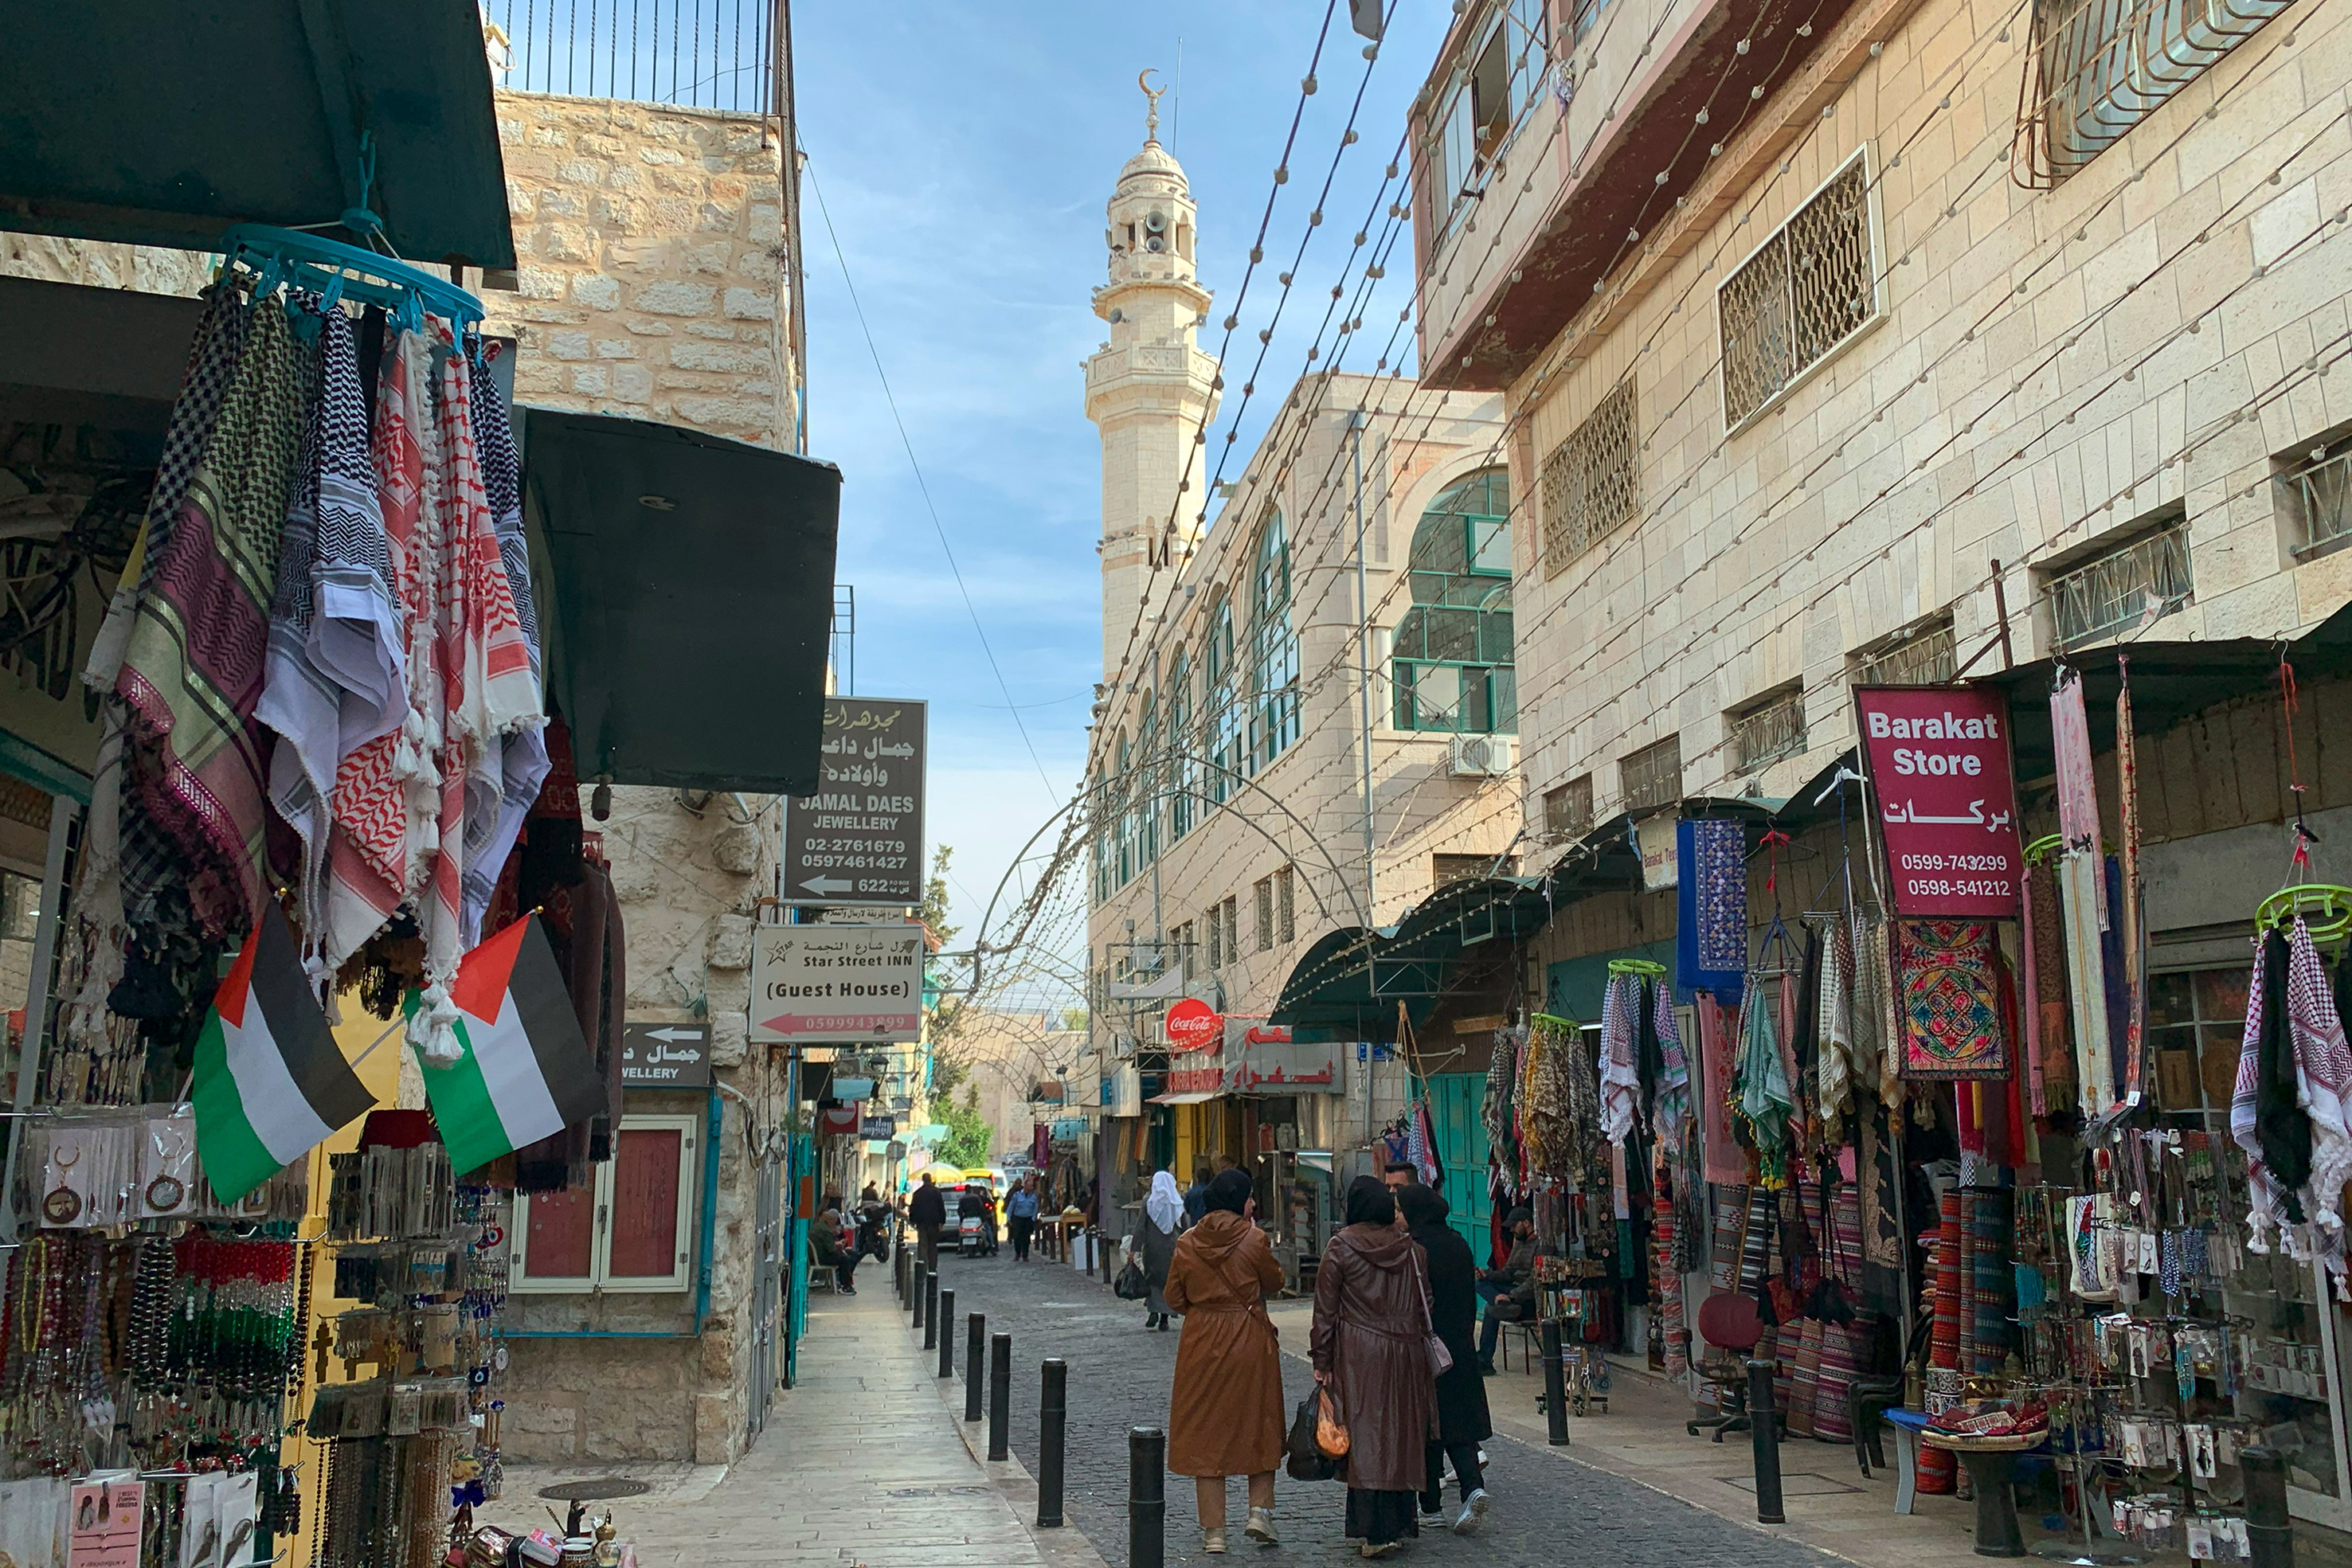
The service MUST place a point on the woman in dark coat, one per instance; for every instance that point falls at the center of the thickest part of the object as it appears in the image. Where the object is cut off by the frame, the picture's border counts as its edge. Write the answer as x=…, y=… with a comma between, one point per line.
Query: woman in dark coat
x=1163, y=1219
x=1224, y=1412
x=1368, y=1349
x=1462, y=1419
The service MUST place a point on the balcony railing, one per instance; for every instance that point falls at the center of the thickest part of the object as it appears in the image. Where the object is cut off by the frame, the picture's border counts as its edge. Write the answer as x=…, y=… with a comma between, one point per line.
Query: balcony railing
x=2125, y=587
x=699, y=54
x=1768, y=732
x=1652, y=777
x=1925, y=658
x=2322, y=499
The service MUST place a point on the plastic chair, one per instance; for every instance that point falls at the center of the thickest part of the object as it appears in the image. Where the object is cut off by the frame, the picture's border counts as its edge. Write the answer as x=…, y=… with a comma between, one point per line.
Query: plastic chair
x=1730, y=1325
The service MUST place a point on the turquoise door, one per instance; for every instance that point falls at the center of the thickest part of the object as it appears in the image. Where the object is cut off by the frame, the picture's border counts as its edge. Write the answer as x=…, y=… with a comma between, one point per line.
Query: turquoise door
x=1455, y=1100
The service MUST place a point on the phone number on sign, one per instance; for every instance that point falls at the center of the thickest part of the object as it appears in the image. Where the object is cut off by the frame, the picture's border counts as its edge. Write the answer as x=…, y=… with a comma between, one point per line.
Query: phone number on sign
x=1955, y=863
x=1920, y=887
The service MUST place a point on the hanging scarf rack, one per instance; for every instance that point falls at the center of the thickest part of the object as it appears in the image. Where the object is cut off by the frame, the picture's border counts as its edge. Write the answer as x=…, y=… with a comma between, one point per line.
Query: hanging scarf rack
x=336, y=271
x=1650, y=967
x=2324, y=908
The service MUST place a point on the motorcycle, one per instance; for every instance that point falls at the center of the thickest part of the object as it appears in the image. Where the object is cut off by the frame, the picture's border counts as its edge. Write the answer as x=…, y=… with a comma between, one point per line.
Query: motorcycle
x=874, y=1232
x=976, y=1236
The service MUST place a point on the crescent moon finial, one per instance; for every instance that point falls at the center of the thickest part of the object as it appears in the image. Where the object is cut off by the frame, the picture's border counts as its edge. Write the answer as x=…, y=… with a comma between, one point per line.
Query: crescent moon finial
x=1152, y=96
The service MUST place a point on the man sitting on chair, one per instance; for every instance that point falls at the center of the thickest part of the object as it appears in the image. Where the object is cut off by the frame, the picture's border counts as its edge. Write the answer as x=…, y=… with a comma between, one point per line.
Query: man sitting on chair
x=1510, y=1291
x=824, y=1246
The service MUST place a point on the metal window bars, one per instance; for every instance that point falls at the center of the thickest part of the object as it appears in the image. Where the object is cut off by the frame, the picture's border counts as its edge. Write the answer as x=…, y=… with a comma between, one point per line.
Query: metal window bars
x=1591, y=481
x=1926, y=657
x=2097, y=68
x=1807, y=289
x=1567, y=807
x=2128, y=587
x=1652, y=777
x=1768, y=731
x=700, y=54
x=2320, y=494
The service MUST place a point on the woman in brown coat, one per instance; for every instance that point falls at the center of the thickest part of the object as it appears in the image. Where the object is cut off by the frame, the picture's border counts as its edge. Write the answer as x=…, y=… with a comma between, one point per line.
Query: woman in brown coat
x=1224, y=1416
x=1369, y=1348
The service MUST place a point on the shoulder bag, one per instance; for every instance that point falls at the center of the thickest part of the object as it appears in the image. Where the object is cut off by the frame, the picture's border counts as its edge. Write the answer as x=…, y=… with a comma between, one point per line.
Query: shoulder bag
x=1441, y=1360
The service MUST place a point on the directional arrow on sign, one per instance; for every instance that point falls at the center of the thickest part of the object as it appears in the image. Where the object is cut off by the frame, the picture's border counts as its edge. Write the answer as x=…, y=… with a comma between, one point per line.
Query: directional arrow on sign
x=824, y=886
x=673, y=1035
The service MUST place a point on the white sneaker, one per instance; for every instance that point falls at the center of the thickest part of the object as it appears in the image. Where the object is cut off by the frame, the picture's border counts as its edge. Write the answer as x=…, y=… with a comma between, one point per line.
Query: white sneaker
x=1473, y=1513
x=1212, y=1542
x=1260, y=1527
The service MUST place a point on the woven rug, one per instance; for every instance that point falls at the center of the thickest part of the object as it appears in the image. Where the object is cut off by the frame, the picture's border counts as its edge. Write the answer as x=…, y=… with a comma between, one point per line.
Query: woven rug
x=1947, y=993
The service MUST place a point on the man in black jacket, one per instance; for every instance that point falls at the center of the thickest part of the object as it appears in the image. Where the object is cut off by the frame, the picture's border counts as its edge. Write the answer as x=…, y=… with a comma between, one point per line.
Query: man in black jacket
x=927, y=1211
x=1510, y=1291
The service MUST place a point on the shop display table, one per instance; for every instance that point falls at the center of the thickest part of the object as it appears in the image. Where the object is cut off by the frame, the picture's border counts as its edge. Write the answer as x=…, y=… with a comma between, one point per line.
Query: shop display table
x=1992, y=1464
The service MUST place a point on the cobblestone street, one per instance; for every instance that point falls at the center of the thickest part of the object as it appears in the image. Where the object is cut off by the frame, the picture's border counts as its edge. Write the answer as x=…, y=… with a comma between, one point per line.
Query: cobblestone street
x=1547, y=1506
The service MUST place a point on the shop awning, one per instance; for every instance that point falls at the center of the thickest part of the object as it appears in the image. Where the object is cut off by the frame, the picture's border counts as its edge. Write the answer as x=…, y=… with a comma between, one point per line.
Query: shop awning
x=1190, y=1097
x=688, y=600
x=152, y=123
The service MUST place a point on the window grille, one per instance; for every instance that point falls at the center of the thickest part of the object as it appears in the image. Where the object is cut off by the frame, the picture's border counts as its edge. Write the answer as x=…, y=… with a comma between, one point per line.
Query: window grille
x=1567, y=807
x=1768, y=731
x=2100, y=67
x=1285, y=905
x=2128, y=587
x=1265, y=891
x=1592, y=480
x=1652, y=777
x=1808, y=290
x=2319, y=491
x=1927, y=657
x=1231, y=919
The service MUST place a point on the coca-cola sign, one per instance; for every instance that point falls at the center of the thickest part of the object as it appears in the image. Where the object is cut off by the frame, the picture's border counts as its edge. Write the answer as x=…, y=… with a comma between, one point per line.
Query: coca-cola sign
x=1194, y=1025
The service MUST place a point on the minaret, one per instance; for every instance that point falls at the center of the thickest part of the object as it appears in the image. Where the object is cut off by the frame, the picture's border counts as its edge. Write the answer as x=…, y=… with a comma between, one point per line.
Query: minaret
x=1149, y=389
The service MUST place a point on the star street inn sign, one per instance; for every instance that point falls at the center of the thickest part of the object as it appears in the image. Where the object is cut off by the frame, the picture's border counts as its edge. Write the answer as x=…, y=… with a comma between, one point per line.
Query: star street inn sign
x=811, y=985
x=1941, y=783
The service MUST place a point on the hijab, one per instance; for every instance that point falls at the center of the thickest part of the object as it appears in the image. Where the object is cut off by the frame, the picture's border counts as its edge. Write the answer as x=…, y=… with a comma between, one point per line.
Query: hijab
x=1229, y=1191
x=1423, y=1206
x=1370, y=1202
x=1166, y=1205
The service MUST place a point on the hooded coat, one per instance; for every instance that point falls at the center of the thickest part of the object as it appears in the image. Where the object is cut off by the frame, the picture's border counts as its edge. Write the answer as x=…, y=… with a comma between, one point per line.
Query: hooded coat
x=1462, y=1414
x=1368, y=1338
x=1224, y=1414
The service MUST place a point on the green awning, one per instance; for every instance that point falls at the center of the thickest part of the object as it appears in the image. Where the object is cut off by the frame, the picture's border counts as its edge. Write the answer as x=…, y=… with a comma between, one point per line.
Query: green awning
x=154, y=123
x=687, y=599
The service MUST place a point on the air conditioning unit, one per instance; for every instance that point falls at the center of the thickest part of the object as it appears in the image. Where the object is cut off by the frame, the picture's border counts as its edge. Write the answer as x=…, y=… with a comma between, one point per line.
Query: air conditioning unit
x=1482, y=755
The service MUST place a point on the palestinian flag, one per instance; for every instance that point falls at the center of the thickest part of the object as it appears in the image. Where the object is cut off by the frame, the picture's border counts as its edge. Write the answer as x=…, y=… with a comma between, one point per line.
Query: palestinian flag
x=525, y=1070
x=270, y=1083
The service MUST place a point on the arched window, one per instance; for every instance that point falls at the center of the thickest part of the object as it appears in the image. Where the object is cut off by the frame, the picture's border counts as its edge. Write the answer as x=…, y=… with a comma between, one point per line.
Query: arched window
x=1123, y=794
x=1274, y=648
x=1101, y=813
x=1453, y=668
x=1183, y=775
x=1221, y=728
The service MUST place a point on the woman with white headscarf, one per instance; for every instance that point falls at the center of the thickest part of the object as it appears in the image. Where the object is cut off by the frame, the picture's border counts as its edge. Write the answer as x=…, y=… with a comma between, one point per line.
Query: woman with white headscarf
x=1163, y=1217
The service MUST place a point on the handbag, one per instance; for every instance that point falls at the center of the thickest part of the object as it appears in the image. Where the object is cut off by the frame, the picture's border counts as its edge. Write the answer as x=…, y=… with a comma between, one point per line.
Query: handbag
x=1441, y=1360
x=1131, y=1285
x=1303, y=1458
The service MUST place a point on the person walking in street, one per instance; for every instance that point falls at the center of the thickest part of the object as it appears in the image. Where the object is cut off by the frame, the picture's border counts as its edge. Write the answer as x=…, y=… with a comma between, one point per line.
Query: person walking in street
x=1021, y=1217
x=1163, y=1217
x=1462, y=1422
x=1196, y=1196
x=1224, y=1412
x=1510, y=1291
x=927, y=1211
x=1369, y=1349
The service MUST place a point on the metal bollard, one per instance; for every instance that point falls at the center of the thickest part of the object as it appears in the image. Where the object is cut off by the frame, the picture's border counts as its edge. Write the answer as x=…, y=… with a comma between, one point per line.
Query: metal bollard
x=1147, y=1498
x=899, y=1272
x=931, y=1309
x=1555, y=1384
x=1053, y=1415
x=915, y=1296
x=1766, y=1431
x=946, y=1335
x=1000, y=1395
x=2268, y=1532
x=975, y=1357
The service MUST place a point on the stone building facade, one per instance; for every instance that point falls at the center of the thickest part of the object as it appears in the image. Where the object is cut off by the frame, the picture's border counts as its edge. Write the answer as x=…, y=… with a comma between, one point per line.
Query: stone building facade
x=2078, y=366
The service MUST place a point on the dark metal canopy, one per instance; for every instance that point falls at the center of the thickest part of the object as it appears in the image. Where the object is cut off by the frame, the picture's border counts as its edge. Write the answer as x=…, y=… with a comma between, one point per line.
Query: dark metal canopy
x=688, y=600
x=147, y=122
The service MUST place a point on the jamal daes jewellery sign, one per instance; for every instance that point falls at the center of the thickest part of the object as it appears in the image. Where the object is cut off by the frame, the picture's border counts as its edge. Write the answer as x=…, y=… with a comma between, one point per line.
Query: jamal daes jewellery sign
x=859, y=839
x=814, y=984
x=1942, y=787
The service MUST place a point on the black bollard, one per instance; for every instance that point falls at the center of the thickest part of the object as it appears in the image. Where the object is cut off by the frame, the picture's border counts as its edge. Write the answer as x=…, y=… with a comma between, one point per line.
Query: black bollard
x=1555, y=1360
x=2268, y=1534
x=1052, y=1414
x=1000, y=1395
x=1767, y=1443
x=930, y=1308
x=899, y=1272
x=946, y=1336
x=1147, y=1498
x=915, y=1295
x=975, y=1358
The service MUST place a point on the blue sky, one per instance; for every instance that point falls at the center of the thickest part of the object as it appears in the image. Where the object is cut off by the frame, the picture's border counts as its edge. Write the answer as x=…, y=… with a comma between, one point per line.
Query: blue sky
x=964, y=154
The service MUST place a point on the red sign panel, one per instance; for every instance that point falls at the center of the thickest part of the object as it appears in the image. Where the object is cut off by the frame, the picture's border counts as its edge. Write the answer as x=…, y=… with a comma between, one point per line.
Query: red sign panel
x=1942, y=785
x=1194, y=1025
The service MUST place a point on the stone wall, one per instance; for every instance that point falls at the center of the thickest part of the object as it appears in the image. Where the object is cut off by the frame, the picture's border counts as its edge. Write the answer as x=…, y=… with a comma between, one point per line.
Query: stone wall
x=651, y=278
x=100, y=264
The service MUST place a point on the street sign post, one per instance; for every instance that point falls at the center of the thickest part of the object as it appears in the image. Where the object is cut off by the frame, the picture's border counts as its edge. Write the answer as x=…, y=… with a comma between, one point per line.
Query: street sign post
x=664, y=1056
x=859, y=839
x=816, y=985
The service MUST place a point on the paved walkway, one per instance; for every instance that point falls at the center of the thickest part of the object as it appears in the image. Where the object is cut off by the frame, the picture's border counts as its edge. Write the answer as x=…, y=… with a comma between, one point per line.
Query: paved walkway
x=862, y=1466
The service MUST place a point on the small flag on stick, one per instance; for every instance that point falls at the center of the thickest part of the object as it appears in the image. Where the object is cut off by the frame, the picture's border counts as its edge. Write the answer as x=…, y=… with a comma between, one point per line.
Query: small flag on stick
x=270, y=1083
x=524, y=1070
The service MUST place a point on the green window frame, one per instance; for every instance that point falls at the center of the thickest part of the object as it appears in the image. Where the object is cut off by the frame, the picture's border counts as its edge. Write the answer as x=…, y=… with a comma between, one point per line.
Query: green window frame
x=1452, y=663
x=1273, y=647
x=1221, y=714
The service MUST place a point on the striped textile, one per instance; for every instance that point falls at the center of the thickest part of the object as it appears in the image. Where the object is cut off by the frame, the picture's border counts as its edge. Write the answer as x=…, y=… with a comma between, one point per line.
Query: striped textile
x=1667, y=1281
x=1843, y=1345
x=1724, y=1256
x=1993, y=1290
x=1804, y=1376
x=1937, y=1469
x=1755, y=1239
